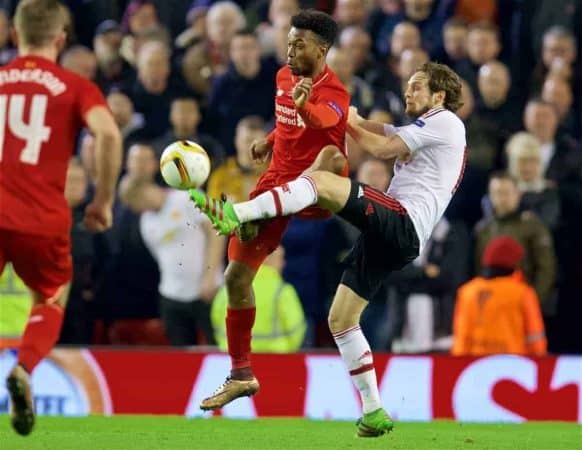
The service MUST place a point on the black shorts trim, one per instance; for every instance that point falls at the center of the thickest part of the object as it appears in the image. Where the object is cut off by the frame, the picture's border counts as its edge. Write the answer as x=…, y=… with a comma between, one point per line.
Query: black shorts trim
x=388, y=241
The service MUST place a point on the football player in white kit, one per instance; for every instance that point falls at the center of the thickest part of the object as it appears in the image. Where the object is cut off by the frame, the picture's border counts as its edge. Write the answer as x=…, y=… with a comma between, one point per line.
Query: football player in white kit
x=395, y=225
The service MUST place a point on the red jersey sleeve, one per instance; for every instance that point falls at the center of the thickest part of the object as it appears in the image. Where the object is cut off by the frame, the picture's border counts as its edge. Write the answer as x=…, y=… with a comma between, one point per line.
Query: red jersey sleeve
x=89, y=96
x=327, y=110
x=271, y=137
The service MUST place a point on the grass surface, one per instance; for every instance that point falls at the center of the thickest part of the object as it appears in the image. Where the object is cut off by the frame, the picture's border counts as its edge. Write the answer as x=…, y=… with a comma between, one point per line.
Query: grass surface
x=169, y=433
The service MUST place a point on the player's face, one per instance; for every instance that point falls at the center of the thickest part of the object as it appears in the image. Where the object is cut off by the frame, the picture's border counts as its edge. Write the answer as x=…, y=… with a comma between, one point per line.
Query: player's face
x=304, y=51
x=418, y=96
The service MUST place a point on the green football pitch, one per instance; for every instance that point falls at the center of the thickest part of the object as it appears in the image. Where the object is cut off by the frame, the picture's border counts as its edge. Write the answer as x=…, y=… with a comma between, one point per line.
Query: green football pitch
x=169, y=433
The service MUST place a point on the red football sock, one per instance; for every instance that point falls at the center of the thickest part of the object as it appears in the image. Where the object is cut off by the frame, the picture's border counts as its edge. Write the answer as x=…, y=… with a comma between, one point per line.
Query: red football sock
x=41, y=334
x=239, y=323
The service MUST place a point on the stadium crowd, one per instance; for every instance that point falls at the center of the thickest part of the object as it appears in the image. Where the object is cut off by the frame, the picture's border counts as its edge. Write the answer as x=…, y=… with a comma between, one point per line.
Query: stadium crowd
x=205, y=70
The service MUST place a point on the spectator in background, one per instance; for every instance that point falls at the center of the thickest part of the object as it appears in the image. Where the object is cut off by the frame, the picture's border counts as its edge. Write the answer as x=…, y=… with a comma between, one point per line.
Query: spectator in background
x=7, y=51
x=197, y=69
x=79, y=320
x=112, y=69
x=497, y=312
x=483, y=46
x=247, y=88
x=140, y=16
x=279, y=19
x=357, y=42
x=455, y=34
x=129, y=122
x=130, y=300
x=223, y=20
x=152, y=92
x=280, y=323
x=360, y=92
x=558, y=92
x=81, y=60
x=184, y=120
x=350, y=13
x=539, y=264
x=525, y=165
x=238, y=176
x=561, y=157
x=188, y=253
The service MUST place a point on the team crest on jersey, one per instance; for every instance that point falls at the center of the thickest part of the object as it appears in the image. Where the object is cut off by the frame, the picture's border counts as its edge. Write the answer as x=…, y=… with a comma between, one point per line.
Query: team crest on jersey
x=419, y=123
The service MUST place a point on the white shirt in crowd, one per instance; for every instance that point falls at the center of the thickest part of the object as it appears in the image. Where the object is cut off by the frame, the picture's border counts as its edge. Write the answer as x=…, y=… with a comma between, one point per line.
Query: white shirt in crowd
x=176, y=238
x=424, y=183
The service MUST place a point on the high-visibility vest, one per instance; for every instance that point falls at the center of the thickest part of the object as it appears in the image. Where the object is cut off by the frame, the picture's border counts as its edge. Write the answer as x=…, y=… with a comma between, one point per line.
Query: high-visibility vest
x=280, y=322
x=15, y=304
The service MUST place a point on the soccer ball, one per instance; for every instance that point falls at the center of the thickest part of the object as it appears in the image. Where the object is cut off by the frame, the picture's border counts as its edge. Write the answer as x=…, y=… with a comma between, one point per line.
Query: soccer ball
x=184, y=165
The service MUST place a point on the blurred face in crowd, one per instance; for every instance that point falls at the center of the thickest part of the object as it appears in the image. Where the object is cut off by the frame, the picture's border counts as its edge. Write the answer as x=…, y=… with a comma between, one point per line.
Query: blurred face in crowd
x=153, y=67
x=76, y=184
x=4, y=29
x=80, y=60
x=304, y=51
x=418, y=9
x=140, y=196
x=197, y=69
x=339, y=61
x=455, y=40
x=244, y=137
x=141, y=162
x=405, y=36
x=245, y=54
x=350, y=12
x=222, y=22
x=145, y=18
x=482, y=46
x=559, y=93
x=494, y=82
x=281, y=11
x=541, y=120
x=374, y=173
x=184, y=117
x=529, y=169
x=504, y=196
x=390, y=7
x=410, y=61
x=558, y=47
x=357, y=42
x=280, y=33
x=107, y=47
x=121, y=107
x=419, y=99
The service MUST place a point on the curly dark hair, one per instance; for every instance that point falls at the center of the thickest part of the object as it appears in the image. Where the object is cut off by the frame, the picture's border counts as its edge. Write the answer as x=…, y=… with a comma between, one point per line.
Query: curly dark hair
x=317, y=22
x=442, y=78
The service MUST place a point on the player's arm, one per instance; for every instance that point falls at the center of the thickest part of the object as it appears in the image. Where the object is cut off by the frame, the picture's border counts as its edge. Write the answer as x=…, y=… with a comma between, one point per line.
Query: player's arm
x=372, y=126
x=380, y=146
x=107, y=152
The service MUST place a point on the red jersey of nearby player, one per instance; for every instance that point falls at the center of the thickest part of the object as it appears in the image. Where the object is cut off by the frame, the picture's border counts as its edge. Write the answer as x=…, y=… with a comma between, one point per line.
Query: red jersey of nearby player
x=301, y=133
x=42, y=110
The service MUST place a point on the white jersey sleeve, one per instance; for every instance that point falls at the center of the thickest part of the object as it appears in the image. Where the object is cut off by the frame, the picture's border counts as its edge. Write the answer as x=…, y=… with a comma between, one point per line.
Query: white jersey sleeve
x=432, y=129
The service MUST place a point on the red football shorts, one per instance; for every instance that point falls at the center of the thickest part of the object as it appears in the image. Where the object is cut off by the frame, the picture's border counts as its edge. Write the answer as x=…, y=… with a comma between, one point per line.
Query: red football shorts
x=44, y=263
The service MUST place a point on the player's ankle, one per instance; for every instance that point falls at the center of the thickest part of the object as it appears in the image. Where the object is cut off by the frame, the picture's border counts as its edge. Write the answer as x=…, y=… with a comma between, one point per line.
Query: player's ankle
x=242, y=374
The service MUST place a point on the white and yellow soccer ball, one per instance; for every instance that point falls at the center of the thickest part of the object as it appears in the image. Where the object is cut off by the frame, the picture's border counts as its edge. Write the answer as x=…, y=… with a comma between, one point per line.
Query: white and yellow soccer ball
x=184, y=165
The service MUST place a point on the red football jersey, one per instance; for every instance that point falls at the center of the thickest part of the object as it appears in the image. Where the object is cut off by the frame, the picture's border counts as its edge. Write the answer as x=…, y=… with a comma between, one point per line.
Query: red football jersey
x=42, y=110
x=296, y=146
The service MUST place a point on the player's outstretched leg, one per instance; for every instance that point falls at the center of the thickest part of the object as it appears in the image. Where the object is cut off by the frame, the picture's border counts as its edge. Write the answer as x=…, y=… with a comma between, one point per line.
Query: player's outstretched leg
x=355, y=351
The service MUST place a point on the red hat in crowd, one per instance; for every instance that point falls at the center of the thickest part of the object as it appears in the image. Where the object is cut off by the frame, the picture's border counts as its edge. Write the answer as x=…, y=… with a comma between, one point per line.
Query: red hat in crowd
x=503, y=252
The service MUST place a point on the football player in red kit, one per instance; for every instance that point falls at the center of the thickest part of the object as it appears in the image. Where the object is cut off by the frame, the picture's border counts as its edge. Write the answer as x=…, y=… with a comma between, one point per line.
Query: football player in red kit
x=311, y=110
x=42, y=110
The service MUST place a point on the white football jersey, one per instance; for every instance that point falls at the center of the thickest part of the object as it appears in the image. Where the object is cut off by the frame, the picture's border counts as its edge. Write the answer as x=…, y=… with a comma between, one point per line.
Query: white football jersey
x=425, y=182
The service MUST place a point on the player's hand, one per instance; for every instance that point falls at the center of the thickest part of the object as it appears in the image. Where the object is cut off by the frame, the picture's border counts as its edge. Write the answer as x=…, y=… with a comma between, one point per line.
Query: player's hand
x=260, y=150
x=98, y=216
x=354, y=117
x=302, y=91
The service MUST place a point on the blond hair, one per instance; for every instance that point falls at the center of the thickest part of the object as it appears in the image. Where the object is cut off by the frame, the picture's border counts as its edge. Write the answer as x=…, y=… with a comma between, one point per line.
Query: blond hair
x=38, y=22
x=520, y=146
